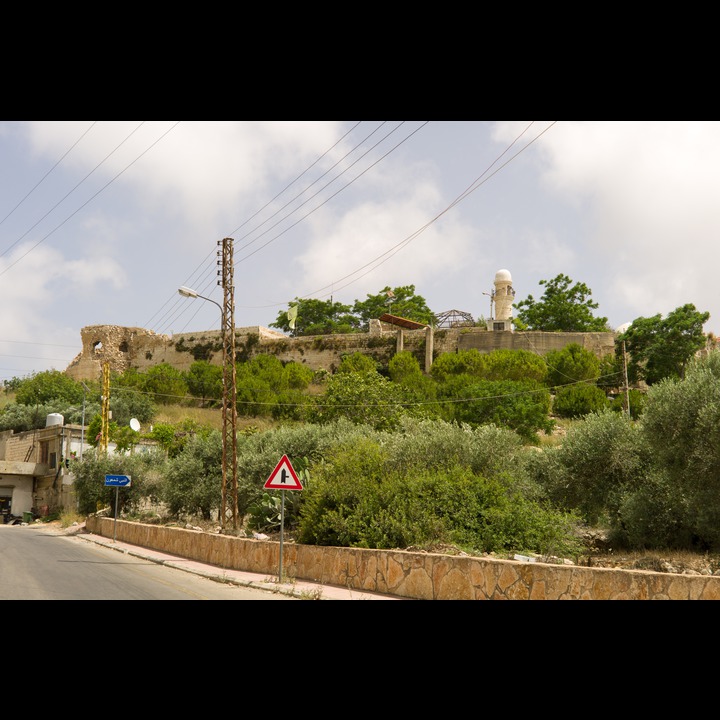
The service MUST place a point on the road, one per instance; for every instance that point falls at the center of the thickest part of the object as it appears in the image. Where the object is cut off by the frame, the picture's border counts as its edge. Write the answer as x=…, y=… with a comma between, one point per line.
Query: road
x=39, y=566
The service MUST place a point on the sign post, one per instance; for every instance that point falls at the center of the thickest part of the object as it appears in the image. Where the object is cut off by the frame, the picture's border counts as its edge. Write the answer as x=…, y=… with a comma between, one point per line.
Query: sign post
x=117, y=481
x=283, y=477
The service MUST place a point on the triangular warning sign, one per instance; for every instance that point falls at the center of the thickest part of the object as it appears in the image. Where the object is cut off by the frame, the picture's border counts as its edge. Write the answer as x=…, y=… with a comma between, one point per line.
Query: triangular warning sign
x=283, y=477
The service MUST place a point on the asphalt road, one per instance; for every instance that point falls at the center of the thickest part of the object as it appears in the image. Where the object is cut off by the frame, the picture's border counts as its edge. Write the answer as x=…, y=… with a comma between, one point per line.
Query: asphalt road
x=40, y=566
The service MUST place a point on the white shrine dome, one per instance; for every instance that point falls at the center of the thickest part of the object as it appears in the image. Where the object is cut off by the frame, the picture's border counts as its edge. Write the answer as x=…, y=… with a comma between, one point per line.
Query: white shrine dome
x=503, y=276
x=622, y=328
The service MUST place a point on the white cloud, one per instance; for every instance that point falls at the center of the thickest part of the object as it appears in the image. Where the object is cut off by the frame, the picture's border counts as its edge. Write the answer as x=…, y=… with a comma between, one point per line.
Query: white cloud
x=627, y=207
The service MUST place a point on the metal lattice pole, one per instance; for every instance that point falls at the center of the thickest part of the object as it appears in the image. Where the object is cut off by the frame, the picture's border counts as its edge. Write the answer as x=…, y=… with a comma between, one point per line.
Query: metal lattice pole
x=229, y=510
x=105, y=431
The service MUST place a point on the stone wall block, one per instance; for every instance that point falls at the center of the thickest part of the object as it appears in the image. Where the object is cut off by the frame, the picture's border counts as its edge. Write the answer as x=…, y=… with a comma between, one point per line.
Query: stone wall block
x=422, y=576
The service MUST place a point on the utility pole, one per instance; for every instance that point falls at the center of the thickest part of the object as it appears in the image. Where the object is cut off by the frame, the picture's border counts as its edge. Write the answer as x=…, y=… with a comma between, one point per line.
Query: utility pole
x=229, y=509
x=105, y=432
x=627, y=389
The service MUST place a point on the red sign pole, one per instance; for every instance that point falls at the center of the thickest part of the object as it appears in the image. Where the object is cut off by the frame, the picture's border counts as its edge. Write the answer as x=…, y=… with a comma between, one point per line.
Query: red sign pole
x=283, y=478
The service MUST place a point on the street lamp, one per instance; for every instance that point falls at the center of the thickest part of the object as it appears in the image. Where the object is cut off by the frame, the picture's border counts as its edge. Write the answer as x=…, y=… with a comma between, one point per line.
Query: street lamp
x=188, y=292
x=86, y=390
x=492, y=297
x=229, y=440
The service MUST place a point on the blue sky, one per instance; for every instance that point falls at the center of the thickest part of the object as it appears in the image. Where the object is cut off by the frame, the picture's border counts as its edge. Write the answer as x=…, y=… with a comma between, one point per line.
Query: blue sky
x=102, y=221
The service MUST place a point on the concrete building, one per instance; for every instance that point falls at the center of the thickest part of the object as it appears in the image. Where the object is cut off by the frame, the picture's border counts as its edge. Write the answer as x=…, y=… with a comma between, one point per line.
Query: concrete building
x=36, y=468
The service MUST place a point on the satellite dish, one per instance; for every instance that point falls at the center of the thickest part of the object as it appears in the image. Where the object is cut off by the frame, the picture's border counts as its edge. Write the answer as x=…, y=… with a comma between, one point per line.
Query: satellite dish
x=134, y=424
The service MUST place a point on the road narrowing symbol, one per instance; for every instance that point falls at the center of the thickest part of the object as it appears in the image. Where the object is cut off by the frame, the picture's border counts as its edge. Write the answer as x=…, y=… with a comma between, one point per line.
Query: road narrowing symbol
x=283, y=477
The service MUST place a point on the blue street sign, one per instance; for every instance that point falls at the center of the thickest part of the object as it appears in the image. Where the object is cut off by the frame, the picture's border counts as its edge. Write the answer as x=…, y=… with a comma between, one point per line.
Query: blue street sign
x=117, y=480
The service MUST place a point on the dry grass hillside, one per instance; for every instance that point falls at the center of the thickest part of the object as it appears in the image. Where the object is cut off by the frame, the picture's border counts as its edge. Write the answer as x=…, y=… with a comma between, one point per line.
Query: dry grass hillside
x=211, y=417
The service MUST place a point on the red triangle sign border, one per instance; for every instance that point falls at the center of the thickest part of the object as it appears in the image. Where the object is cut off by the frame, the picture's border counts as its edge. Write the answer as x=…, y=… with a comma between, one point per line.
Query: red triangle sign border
x=274, y=483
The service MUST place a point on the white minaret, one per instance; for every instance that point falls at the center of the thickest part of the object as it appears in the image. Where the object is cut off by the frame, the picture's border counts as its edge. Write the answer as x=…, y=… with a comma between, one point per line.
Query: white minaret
x=502, y=297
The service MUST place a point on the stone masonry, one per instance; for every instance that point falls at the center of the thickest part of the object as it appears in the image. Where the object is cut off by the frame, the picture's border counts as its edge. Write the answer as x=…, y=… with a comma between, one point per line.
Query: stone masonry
x=132, y=347
x=421, y=576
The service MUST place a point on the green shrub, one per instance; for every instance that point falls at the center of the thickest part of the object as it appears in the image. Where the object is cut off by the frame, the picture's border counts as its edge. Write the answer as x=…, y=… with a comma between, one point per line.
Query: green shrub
x=654, y=516
x=365, y=398
x=600, y=459
x=638, y=400
x=575, y=401
x=570, y=365
x=357, y=500
x=521, y=406
x=146, y=471
x=192, y=485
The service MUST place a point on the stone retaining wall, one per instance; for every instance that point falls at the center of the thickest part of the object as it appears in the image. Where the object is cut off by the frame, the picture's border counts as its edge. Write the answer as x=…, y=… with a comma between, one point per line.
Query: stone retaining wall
x=422, y=576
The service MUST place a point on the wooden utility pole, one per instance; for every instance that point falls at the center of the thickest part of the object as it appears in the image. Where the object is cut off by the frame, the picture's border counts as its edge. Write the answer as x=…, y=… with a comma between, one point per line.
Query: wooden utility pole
x=229, y=509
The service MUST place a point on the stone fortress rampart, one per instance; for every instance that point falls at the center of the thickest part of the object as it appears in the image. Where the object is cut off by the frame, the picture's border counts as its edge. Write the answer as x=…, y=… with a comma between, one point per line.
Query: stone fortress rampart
x=124, y=348
x=132, y=347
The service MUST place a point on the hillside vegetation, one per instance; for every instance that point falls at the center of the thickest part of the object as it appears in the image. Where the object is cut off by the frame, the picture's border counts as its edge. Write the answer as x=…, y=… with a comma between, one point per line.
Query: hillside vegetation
x=472, y=456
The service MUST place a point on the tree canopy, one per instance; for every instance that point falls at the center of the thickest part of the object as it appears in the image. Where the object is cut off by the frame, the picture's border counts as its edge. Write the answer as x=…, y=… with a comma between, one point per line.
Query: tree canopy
x=325, y=317
x=316, y=317
x=564, y=307
x=660, y=347
x=400, y=301
x=47, y=386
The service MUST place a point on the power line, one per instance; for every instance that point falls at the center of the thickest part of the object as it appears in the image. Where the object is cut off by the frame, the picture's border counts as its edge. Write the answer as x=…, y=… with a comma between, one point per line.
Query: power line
x=88, y=201
x=30, y=192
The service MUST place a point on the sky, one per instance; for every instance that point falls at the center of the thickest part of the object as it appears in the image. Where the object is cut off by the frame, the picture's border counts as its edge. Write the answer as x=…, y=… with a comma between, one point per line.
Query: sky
x=102, y=221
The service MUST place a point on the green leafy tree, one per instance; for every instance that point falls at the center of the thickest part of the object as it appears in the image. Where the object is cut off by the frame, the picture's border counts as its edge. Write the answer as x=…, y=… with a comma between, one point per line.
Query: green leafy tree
x=125, y=438
x=681, y=424
x=167, y=437
x=464, y=362
x=522, y=406
x=404, y=369
x=205, y=380
x=564, y=307
x=146, y=470
x=126, y=403
x=514, y=365
x=50, y=385
x=660, y=347
x=611, y=375
x=360, y=499
x=317, y=317
x=166, y=384
x=570, y=365
x=365, y=398
x=292, y=400
x=357, y=362
x=20, y=418
x=637, y=399
x=193, y=483
x=258, y=383
x=12, y=385
x=130, y=378
x=298, y=376
x=601, y=459
x=400, y=301
x=573, y=401
x=255, y=396
x=419, y=389
x=95, y=431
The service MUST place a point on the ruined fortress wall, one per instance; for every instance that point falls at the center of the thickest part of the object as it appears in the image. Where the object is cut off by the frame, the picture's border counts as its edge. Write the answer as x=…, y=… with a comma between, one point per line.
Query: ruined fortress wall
x=541, y=343
x=132, y=347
